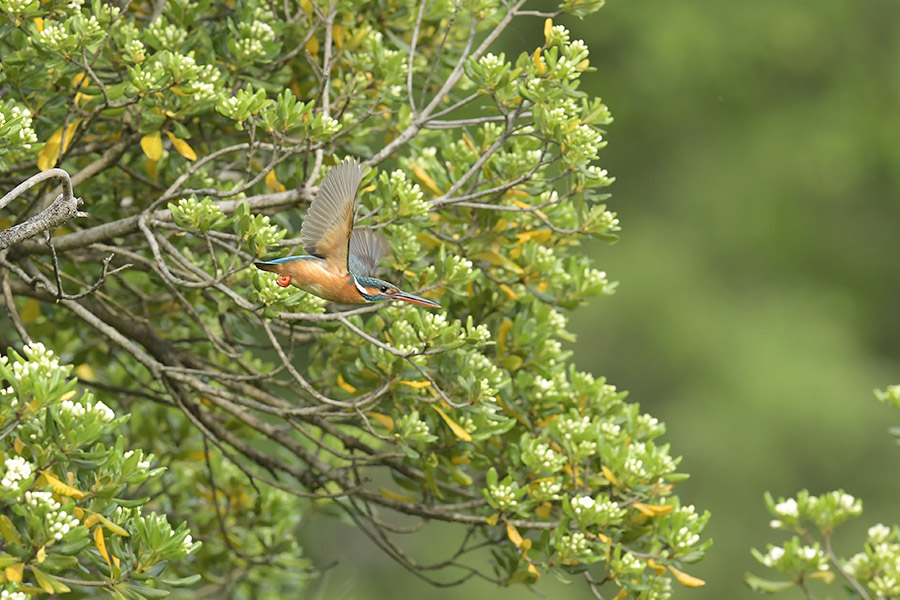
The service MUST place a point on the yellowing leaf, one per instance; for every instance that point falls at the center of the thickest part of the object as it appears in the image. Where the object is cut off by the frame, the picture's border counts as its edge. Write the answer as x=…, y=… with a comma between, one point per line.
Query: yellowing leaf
x=101, y=545
x=502, y=332
x=61, y=138
x=307, y=7
x=272, y=182
x=19, y=445
x=826, y=576
x=41, y=554
x=458, y=431
x=43, y=580
x=498, y=259
x=544, y=510
x=468, y=142
x=460, y=460
x=39, y=24
x=117, y=529
x=548, y=26
x=538, y=235
x=426, y=180
x=80, y=80
x=685, y=579
x=383, y=420
x=68, y=395
x=14, y=572
x=623, y=593
x=395, y=496
x=533, y=570
x=427, y=240
x=184, y=149
x=509, y=292
x=492, y=520
x=416, y=385
x=59, y=487
x=313, y=45
x=151, y=168
x=653, y=511
x=342, y=383
x=513, y=534
x=338, y=34
x=658, y=568
x=78, y=512
x=538, y=62
x=609, y=475
x=151, y=144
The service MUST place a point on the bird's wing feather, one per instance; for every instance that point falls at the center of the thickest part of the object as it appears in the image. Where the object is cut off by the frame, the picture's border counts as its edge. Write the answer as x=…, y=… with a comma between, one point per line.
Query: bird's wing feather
x=326, y=229
x=367, y=248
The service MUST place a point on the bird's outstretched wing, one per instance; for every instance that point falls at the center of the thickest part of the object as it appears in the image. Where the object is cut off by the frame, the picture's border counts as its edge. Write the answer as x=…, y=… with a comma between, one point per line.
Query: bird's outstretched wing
x=326, y=229
x=367, y=248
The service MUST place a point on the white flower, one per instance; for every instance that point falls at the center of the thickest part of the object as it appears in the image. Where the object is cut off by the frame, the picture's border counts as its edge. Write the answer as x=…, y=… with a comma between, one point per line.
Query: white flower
x=773, y=555
x=17, y=470
x=788, y=508
x=879, y=533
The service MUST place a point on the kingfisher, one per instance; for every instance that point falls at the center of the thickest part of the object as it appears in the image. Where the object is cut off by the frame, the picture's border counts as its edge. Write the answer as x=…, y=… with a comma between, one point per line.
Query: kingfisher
x=340, y=262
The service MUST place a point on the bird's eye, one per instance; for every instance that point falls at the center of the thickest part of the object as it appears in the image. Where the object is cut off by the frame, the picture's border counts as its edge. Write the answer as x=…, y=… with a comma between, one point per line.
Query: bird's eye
x=384, y=288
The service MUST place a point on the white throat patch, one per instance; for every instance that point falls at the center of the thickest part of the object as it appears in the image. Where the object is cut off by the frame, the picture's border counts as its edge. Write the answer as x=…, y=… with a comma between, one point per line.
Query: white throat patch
x=361, y=289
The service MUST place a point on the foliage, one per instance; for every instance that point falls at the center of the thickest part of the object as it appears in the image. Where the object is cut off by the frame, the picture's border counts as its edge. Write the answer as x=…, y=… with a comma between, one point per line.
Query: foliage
x=197, y=124
x=808, y=556
x=72, y=497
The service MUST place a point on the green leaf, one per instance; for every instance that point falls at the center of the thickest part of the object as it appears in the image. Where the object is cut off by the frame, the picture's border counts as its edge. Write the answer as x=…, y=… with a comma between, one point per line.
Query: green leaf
x=758, y=584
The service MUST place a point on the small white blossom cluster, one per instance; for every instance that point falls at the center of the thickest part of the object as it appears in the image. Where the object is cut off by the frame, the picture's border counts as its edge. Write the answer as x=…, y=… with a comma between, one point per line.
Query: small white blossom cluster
x=479, y=333
x=490, y=61
x=458, y=269
x=412, y=200
x=575, y=544
x=879, y=534
x=76, y=410
x=58, y=521
x=7, y=595
x=135, y=51
x=27, y=135
x=169, y=35
x=558, y=35
x=595, y=277
x=587, y=141
x=204, y=86
x=504, y=495
x=571, y=428
x=16, y=471
x=492, y=378
x=17, y=7
x=590, y=510
x=146, y=79
x=546, y=490
x=412, y=428
x=548, y=458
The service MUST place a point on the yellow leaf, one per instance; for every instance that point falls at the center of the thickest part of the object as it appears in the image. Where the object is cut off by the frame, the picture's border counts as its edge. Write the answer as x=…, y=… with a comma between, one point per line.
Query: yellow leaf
x=509, y=292
x=338, y=31
x=427, y=240
x=307, y=7
x=101, y=545
x=502, y=332
x=68, y=395
x=14, y=572
x=685, y=579
x=604, y=538
x=826, y=576
x=19, y=445
x=116, y=529
x=460, y=460
x=59, y=487
x=61, y=138
x=151, y=144
x=426, y=180
x=342, y=383
x=39, y=24
x=654, y=511
x=416, y=385
x=533, y=570
x=658, y=568
x=80, y=80
x=538, y=235
x=521, y=204
x=609, y=475
x=272, y=182
x=313, y=45
x=395, y=496
x=43, y=580
x=492, y=520
x=548, y=25
x=152, y=171
x=468, y=142
x=41, y=554
x=78, y=512
x=184, y=149
x=513, y=534
x=383, y=420
x=538, y=62
x=544, y=510
x=92, y=520
x=623, y=593
x=498, y=259
x=454, y=426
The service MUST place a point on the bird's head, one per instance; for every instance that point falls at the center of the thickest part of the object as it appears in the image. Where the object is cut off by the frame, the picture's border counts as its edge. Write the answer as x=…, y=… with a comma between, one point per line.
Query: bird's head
x=376, y=290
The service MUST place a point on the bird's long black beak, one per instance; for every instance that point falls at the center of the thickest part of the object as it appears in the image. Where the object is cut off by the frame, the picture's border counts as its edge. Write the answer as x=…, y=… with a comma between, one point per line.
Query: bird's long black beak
x=413, y=299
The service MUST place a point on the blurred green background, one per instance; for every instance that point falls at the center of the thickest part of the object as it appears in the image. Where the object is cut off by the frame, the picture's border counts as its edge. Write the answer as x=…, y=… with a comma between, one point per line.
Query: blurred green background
x=756, y=147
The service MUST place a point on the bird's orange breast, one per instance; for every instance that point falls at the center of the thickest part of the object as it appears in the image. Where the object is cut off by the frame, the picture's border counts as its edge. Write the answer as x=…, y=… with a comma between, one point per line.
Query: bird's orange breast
x=319, y=277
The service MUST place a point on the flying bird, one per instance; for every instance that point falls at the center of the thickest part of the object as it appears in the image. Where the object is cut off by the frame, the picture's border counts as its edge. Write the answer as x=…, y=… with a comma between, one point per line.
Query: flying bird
x=341, y=262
